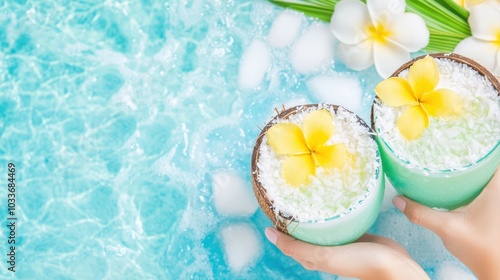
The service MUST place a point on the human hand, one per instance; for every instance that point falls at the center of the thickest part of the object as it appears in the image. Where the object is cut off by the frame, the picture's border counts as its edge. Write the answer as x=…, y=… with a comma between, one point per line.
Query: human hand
x=471, y=233
x=370, y=257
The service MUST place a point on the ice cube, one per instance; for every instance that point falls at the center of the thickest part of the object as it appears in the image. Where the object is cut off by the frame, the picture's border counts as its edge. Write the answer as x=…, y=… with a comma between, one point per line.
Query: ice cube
x=232, y=195
x=344, y=91
x=313, y=49
x=285, y=29
x=254, y=64
x=242, y=245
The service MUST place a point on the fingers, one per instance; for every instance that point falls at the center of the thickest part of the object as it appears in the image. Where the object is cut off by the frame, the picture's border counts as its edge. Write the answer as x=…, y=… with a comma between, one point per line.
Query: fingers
x=290, y=246
x=362, y=259
x=312, y=257
x=422, y=215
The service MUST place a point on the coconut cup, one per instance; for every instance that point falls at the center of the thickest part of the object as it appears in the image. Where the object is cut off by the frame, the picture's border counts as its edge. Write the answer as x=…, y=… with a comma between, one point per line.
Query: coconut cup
x=447, y=188
x=341, y=228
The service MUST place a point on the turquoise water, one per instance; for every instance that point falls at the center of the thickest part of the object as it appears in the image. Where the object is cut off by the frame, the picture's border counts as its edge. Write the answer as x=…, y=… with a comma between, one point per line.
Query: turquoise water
x=120, y=115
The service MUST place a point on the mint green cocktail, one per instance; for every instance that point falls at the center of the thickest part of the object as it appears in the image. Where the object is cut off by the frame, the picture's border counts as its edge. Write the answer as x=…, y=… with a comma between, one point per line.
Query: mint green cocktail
x=445, y=189
x=345, y=228
x=446, y=175
x=336, y=206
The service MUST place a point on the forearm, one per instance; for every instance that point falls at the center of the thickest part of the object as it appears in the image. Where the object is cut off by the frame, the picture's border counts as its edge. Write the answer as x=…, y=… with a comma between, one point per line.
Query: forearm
x=398, y=267
x=485, y=263
x=488, y=271
x=489, y=275
x=412, y=272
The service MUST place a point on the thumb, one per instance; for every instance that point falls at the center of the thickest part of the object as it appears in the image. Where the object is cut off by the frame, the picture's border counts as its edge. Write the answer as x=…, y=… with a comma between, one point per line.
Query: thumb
x=421, y=215
x=290, y=246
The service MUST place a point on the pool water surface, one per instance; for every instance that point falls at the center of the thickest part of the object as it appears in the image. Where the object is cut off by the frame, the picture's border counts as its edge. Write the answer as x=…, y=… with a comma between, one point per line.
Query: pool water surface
x=131, y=125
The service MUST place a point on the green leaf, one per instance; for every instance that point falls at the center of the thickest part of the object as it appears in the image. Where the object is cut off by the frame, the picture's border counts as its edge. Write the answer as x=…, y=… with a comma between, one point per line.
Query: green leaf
x=457, y=9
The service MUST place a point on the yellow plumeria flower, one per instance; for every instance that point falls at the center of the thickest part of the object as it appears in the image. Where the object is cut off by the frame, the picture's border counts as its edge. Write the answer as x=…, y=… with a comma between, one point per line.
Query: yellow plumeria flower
x=306, y=149
x=419, y=93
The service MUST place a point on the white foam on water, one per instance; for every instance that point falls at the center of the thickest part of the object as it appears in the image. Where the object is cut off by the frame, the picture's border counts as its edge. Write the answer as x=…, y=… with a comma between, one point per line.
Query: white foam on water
x=344, y=91
x=425, y=247
x=254, y=64
x=288, y=104
x=327, y=276
x=345, y=278
x=389, y=194
x=448, y=271
x=242, y=245
x=294, y=102
x=285, y=29
x=313, y=50
x=232, y=195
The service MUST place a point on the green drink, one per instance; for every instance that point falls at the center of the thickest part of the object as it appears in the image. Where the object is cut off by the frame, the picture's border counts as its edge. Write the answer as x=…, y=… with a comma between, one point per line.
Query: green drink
x=332, y=206
x=452, y=160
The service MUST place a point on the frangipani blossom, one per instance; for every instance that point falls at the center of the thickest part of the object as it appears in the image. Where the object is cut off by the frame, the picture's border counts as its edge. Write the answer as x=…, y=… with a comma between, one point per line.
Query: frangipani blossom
x=418, y=92
x=306, y=149
x=467, y=4
x=484, y=44
x=377, y=32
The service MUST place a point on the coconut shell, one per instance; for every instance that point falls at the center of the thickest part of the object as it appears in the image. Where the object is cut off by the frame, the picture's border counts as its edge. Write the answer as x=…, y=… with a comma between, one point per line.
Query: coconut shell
x=279, y=219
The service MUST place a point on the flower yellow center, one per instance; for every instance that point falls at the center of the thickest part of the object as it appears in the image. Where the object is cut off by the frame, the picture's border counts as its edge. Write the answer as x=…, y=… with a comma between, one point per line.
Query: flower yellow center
x=378, y=32
x=460, y=2
x=497, y=41
x=306, y=148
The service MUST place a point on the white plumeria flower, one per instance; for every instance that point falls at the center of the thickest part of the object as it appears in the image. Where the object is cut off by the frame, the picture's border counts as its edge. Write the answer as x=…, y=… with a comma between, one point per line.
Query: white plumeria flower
x=484, y=44
x=378, y=32
x=467, y=4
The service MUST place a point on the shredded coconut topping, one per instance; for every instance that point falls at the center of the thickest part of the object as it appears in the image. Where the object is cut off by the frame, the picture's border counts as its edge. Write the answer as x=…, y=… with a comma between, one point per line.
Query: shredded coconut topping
x=330, y=193
x=448, y=143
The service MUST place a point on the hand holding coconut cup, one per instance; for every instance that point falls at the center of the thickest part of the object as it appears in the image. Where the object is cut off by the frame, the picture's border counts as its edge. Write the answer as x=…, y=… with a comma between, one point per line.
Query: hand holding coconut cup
x=436, y=121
